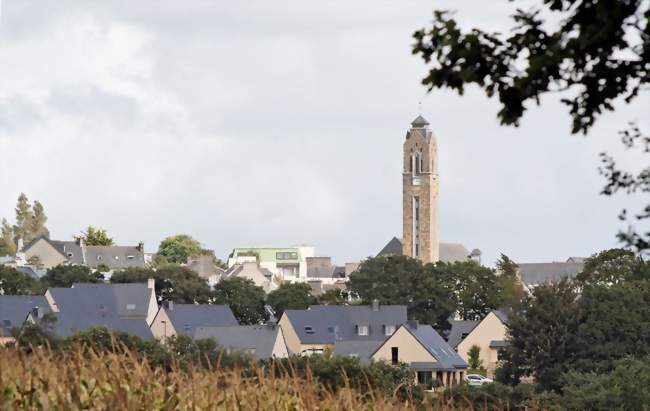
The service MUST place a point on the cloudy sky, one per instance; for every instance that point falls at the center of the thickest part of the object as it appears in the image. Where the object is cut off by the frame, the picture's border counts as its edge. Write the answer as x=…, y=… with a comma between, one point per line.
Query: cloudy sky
x=259, y=122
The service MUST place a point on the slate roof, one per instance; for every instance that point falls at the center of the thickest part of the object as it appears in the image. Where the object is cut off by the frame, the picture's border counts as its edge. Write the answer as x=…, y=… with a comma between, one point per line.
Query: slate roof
x=449, y=252
x=539, y=273
x=419, y=122
x=502, y=315
x=15, y=308
x=258, y=339
x=458, y=329
x=120, y=300
x=362, y=349
x=71, y=322
x=448, y=359
x=327, y=324
x=204, y=266
x=187, y=317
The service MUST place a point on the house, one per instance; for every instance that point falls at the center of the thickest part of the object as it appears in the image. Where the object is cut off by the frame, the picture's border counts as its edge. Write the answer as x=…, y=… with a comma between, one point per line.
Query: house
x=173, y=319
x=341, y=329
x=204, y=266
x=459, y=330
x=490, y=335
x=448, y=252
x=426, y=352
x=51, y=253
x=286, y=262
x=262, y=341
x=262, y=277
x=120, y=307
x=14, y=310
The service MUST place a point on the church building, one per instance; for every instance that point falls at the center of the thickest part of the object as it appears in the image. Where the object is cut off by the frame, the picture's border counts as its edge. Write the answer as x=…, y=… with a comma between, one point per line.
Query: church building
x=420, y=194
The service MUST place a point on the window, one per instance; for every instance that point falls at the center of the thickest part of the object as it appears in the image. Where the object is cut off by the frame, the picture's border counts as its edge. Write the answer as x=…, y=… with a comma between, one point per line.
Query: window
x=130, y=307
x=353, y=355
x=309, y=330
x=286, y=255
x=117, y=257
x=389, y=329
x=187, y=327
x=425, y=378
x=251, y=351
x=362, y=330
x=99, y=258
x=6, y=323
x=394, y=355
x=70, y=255
x=130, y=257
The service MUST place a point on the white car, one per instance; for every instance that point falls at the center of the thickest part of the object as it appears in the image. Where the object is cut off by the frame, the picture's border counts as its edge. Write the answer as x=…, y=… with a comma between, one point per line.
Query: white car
x=477, y=379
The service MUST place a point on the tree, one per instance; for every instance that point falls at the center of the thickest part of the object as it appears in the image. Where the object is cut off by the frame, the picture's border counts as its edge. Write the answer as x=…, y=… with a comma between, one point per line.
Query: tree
x=474, y=358
x=246, y=300
x=7, y=243
x=13, y=282
x=333, y=297
x=66, y=275
x=173, y=282
x=38, y=220
x=176, y=249
x=597, y=53
x=613, y=266
x=96, y=236
x=543, y=334
x=290, y=296
x=512, y=292
x=403, y=280
x=22, y=228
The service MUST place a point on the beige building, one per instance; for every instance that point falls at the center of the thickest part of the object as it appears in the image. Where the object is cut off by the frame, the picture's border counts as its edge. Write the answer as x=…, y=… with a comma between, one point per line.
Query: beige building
x=262, y=277
x=426, y=352
x=420, y=187
x=489, y=335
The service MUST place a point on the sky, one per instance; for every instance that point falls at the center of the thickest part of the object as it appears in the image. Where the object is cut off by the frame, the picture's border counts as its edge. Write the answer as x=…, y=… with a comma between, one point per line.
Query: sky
x=282, y=123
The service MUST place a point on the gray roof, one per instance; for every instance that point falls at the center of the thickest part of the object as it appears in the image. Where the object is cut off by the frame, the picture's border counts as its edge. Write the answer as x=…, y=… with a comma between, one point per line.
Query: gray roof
x=448, y=359
x=257, y=339
x=327, y=324
x=115, y=256
x=71, y=322
x=187, y=317
x=540, y=273
x=204, y=266
x=361, y=349
x=502, y=315
x=458, y=330
x=449, y=252
x=69, y=249
x=419, y=122
x=117, y=300
x=15, y=308
x=499, y=344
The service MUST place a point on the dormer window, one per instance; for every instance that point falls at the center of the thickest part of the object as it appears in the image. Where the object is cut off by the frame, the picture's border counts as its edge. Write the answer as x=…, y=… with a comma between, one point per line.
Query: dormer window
x=389, y=330
x=363, y=330
x=99, y=258
x=130, y=307
x=117, y=257
x=6, y=323
x=70, y=255
x=309, y=330
x=130, y=257
x=187, y=327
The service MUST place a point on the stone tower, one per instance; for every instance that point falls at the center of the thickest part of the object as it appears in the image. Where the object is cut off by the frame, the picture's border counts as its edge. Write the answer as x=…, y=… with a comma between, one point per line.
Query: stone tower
x=420, y=188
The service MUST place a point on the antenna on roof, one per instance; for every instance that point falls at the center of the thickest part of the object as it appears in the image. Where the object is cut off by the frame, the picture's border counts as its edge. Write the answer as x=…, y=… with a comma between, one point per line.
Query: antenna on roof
x=419, y=104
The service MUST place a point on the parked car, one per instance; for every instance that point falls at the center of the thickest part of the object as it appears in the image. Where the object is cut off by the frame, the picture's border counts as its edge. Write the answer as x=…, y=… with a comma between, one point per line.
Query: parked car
x=477, y=379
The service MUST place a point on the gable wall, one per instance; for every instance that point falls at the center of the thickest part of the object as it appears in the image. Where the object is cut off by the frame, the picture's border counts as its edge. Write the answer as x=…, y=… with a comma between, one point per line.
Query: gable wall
x=491, y=328
x=158, y=327
x=49, y=256
x=409, y=348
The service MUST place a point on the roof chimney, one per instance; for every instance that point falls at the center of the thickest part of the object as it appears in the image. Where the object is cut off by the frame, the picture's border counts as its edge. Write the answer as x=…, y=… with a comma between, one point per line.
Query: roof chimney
x=36, y=312
x=140, y=247
x=375, y=305
x=151, y=283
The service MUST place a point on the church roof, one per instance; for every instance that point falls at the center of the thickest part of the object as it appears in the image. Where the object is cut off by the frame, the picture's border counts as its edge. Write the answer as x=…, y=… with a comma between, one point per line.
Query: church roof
x=394, y=247
x=449, y=252
x=420, y=122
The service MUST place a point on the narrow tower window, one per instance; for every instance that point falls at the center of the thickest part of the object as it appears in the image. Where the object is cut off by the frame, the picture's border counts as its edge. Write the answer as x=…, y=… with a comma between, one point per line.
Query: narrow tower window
x=416, y=227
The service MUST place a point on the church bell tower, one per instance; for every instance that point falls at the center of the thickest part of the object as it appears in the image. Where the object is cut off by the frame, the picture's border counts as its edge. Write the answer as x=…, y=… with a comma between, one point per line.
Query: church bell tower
x=420, y=188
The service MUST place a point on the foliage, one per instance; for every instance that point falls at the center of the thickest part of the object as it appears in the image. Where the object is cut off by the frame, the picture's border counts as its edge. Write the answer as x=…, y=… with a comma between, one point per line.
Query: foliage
x=333, y=297
x=176, y=249
x=96, y=236
x=626, y=387
x=474, y=358
x=475, y=288
x=512, y=291
x=499, y=397
x=290, y=296
x=30, y=222
x=66, y=275
x=543, y=334
x=7, y=244
x=613, y=266
x=37, y=334
x=246, y=300
x=403, y=280
x=173, y=282
x=13, y=282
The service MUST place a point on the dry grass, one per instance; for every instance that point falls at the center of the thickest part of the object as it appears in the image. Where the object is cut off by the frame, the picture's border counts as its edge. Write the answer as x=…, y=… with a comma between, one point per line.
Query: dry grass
x=107, y=381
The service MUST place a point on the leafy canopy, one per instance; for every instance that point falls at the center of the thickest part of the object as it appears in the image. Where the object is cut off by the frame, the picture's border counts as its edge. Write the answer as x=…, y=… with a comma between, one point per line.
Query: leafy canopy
x=290, y=296
x=176, y=249
x=96, y=236
x=66, y=275
x=246, y=300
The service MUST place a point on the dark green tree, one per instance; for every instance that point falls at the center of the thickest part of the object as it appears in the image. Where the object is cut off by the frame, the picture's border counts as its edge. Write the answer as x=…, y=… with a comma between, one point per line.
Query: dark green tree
x=66, y=275
x=595, y=52
x=290, y=296
x=96, y=236
x=543, y=337
x=13, y=282
x=7, y=243
x=333, y=297
x=246, y=300
x=173, y=282
x=613, y=266
x=176, y=249
x=403, y=280
x=474, y=358
x=511, y=289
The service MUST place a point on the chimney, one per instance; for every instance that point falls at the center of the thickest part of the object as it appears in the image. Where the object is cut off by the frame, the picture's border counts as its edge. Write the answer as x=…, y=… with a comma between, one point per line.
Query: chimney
x=36, y=312
x=413, y=324
x=80, y=241
x=375, y=305
x=140, y=247
x=151, y=283
x=169, y=305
